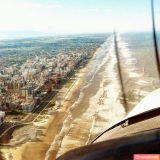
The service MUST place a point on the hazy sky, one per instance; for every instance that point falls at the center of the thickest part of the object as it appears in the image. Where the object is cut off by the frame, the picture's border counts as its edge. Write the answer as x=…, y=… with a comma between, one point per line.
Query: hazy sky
x=76, y=16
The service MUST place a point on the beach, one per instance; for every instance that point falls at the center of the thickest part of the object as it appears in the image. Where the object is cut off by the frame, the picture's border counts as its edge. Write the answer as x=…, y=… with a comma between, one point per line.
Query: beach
x=91, y=105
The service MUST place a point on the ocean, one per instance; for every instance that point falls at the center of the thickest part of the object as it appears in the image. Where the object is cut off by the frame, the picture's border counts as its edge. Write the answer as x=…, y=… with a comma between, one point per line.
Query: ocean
x=99, y=102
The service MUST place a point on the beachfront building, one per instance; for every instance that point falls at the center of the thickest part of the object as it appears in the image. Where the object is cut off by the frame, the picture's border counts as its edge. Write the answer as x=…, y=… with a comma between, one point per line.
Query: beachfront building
x=28, y=107
x=2, y=117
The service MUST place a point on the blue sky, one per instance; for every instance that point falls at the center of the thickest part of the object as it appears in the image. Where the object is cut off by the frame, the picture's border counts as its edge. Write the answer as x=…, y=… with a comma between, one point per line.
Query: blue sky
x=78, y=16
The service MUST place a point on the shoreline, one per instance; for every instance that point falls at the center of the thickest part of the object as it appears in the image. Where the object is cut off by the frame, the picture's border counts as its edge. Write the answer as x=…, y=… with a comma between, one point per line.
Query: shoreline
x=100, y=107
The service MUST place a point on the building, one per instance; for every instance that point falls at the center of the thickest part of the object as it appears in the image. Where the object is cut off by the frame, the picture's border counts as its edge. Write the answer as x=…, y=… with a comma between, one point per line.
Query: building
x=2, y=117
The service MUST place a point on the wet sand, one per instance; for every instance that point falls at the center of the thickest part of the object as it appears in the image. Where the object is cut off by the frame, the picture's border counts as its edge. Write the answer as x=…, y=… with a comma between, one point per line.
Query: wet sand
x=92, y=105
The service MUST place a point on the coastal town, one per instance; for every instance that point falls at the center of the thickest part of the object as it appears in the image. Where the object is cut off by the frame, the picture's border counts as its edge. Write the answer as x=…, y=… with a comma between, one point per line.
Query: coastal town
x=26, y=81
x=79, y=80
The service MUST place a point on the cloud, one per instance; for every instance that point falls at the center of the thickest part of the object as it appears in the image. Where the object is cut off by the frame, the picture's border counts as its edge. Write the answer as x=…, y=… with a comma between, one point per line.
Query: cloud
x=30, y=5
x=31, y=16
x=39, y=6
x=94, y=9
x=109, y=10
x=54, y=6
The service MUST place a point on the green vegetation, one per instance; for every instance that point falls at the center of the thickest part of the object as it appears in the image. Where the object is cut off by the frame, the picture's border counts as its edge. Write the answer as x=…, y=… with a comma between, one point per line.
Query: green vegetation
x=51, y=104
x=4, y=147
x=69, y=83
x=17, y=112
x=78, y=70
